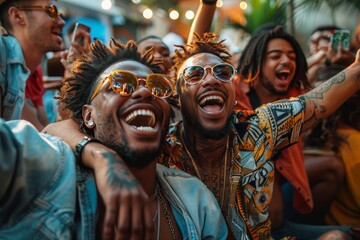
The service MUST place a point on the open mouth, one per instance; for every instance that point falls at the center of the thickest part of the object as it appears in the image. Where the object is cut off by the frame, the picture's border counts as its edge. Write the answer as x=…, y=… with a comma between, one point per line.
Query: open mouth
x=212, y=103
x=141, y=119
x=282, y=75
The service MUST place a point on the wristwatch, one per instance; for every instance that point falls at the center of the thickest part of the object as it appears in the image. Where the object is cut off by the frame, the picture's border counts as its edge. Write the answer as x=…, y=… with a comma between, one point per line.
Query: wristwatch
x=209, y=2
x=80, y=146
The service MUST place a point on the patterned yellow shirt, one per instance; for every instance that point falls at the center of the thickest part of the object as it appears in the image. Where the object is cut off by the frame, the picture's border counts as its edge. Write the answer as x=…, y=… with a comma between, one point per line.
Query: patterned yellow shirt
x=258, y=135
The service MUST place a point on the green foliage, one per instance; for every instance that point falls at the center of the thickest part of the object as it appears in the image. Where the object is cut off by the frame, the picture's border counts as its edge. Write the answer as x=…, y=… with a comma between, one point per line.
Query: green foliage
x=305, y=6
x=260, y=12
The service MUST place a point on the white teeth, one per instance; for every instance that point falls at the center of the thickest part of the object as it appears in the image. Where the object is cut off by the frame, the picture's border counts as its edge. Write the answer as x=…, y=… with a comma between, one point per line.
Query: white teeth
x=210, y=98
x=143, y=128
x=140, y=112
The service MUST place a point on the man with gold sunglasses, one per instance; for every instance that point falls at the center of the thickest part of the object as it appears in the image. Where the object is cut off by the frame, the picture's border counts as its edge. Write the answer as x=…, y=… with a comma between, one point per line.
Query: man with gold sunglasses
x=33, y=28
x=118, y=98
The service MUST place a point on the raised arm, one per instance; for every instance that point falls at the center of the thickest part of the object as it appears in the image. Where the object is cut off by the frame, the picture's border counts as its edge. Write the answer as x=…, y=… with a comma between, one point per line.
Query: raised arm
x=326, y=98
x=203, y=18
x=125, y=201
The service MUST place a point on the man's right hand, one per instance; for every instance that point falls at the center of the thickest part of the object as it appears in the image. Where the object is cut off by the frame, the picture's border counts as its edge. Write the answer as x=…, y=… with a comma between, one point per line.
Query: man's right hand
x=127, y=212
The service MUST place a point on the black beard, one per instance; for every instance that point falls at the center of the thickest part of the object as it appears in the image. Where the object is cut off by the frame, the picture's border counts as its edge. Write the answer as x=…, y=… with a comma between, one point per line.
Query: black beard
x=272, y=89
x=120, y=145
x=205, y=132
x=136, y=159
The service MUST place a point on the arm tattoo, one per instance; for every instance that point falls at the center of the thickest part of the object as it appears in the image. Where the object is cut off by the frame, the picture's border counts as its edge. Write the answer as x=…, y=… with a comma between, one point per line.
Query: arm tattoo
x=323, y=88
x=118, y=174
x=318, y=93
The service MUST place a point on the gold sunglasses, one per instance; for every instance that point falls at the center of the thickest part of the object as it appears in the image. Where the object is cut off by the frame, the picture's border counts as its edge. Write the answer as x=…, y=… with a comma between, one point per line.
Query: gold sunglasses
x=125, y=83
x=51, y=10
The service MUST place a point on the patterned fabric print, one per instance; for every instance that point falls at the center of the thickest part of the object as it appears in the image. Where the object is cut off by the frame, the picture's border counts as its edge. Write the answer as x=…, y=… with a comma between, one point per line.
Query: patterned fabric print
x=258, y=134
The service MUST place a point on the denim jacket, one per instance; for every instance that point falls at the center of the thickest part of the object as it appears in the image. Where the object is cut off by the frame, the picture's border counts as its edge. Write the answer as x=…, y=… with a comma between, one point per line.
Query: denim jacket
x=13, y=76
x=44, y=195
x=37, y=184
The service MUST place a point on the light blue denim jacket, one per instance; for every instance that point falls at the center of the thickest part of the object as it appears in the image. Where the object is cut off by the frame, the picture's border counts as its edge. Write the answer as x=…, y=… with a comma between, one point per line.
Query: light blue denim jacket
x=13, y=76
x=44, y=195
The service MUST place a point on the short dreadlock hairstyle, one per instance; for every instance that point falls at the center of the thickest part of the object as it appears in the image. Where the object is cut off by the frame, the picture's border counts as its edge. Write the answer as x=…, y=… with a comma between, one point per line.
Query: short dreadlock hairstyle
x=77, y=88
x=252, y=57
x=208, y=43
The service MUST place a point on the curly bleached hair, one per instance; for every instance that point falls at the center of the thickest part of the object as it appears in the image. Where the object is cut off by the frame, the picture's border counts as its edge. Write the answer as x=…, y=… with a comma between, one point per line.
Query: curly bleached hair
x=208, y=43
x=77, y=88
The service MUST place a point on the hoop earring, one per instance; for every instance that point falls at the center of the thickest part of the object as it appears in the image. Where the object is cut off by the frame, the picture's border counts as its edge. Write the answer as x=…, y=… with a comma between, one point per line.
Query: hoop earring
x=235, y=103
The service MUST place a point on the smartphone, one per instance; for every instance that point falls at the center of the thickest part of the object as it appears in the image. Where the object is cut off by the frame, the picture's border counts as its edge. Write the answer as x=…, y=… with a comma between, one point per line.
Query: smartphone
x=79, y=38
x=340, y=37
x=76, y=37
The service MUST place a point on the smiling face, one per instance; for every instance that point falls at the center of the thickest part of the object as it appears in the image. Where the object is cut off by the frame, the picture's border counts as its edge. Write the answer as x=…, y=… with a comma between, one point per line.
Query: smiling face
x=42, y=31
x=160, y=51
x=207, y=106
x=134, y=126
x=278, y=68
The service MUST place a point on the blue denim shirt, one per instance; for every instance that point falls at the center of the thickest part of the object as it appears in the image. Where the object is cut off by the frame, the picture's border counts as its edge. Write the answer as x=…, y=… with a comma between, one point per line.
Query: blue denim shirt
x=44, y=195
x=13, y=76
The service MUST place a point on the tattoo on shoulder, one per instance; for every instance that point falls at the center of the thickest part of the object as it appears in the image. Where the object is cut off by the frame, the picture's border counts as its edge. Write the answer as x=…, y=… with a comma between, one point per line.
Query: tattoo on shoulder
x=117, y=173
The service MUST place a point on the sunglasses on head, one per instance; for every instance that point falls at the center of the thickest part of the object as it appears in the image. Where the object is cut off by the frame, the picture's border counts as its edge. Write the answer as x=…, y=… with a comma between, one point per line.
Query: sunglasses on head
x=51, y=10
x=196, y=74
x=125, y=83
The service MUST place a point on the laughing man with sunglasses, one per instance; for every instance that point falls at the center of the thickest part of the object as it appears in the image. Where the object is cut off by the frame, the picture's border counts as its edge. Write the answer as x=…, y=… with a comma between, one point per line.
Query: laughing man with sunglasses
x=33, y=28
x=119, y=100
x=231, y=151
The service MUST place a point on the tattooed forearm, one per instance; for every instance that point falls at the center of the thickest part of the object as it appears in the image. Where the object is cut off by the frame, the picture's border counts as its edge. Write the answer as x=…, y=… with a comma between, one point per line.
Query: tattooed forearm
x=318, y=93
x=118, y=173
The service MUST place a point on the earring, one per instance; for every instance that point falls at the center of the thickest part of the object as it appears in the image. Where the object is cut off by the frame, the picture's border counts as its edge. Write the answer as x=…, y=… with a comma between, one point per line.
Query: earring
x=235, y=103
x=91, y=123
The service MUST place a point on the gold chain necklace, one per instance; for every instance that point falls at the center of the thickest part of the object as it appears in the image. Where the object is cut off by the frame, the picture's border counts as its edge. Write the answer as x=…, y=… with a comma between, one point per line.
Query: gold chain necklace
x=225, y=166
x=167, y=215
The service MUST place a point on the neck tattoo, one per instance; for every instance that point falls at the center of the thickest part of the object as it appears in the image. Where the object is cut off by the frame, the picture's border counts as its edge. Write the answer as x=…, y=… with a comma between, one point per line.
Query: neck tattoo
x=224, y=167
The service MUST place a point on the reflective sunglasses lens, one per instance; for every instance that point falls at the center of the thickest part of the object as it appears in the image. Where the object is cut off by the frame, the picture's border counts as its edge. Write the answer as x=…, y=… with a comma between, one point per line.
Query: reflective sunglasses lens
x=193, y=74
x=159, y=85
x=224, y=72
x=52, y=11
x=123, y=83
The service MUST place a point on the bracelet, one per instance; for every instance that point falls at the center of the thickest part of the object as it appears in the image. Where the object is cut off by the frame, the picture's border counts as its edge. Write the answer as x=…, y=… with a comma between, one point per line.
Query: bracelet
x=80, y=146
x=208, y=2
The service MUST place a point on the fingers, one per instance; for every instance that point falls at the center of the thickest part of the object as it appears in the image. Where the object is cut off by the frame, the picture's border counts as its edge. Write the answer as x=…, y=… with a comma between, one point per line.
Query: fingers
x=110, y=220
x=123, y=225
x=134, y=219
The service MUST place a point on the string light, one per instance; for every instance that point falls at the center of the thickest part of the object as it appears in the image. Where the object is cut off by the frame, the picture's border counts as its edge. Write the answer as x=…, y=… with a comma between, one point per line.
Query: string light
x=136, y=1
x=189, y=14
x=148, y=13
x=219, y=3
x=174, y=14
x=106, y=4
x=243, y=5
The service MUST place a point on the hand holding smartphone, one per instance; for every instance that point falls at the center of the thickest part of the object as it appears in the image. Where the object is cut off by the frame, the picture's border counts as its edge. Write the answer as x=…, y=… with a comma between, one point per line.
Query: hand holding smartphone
x=340, y=37
x=78, y=41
